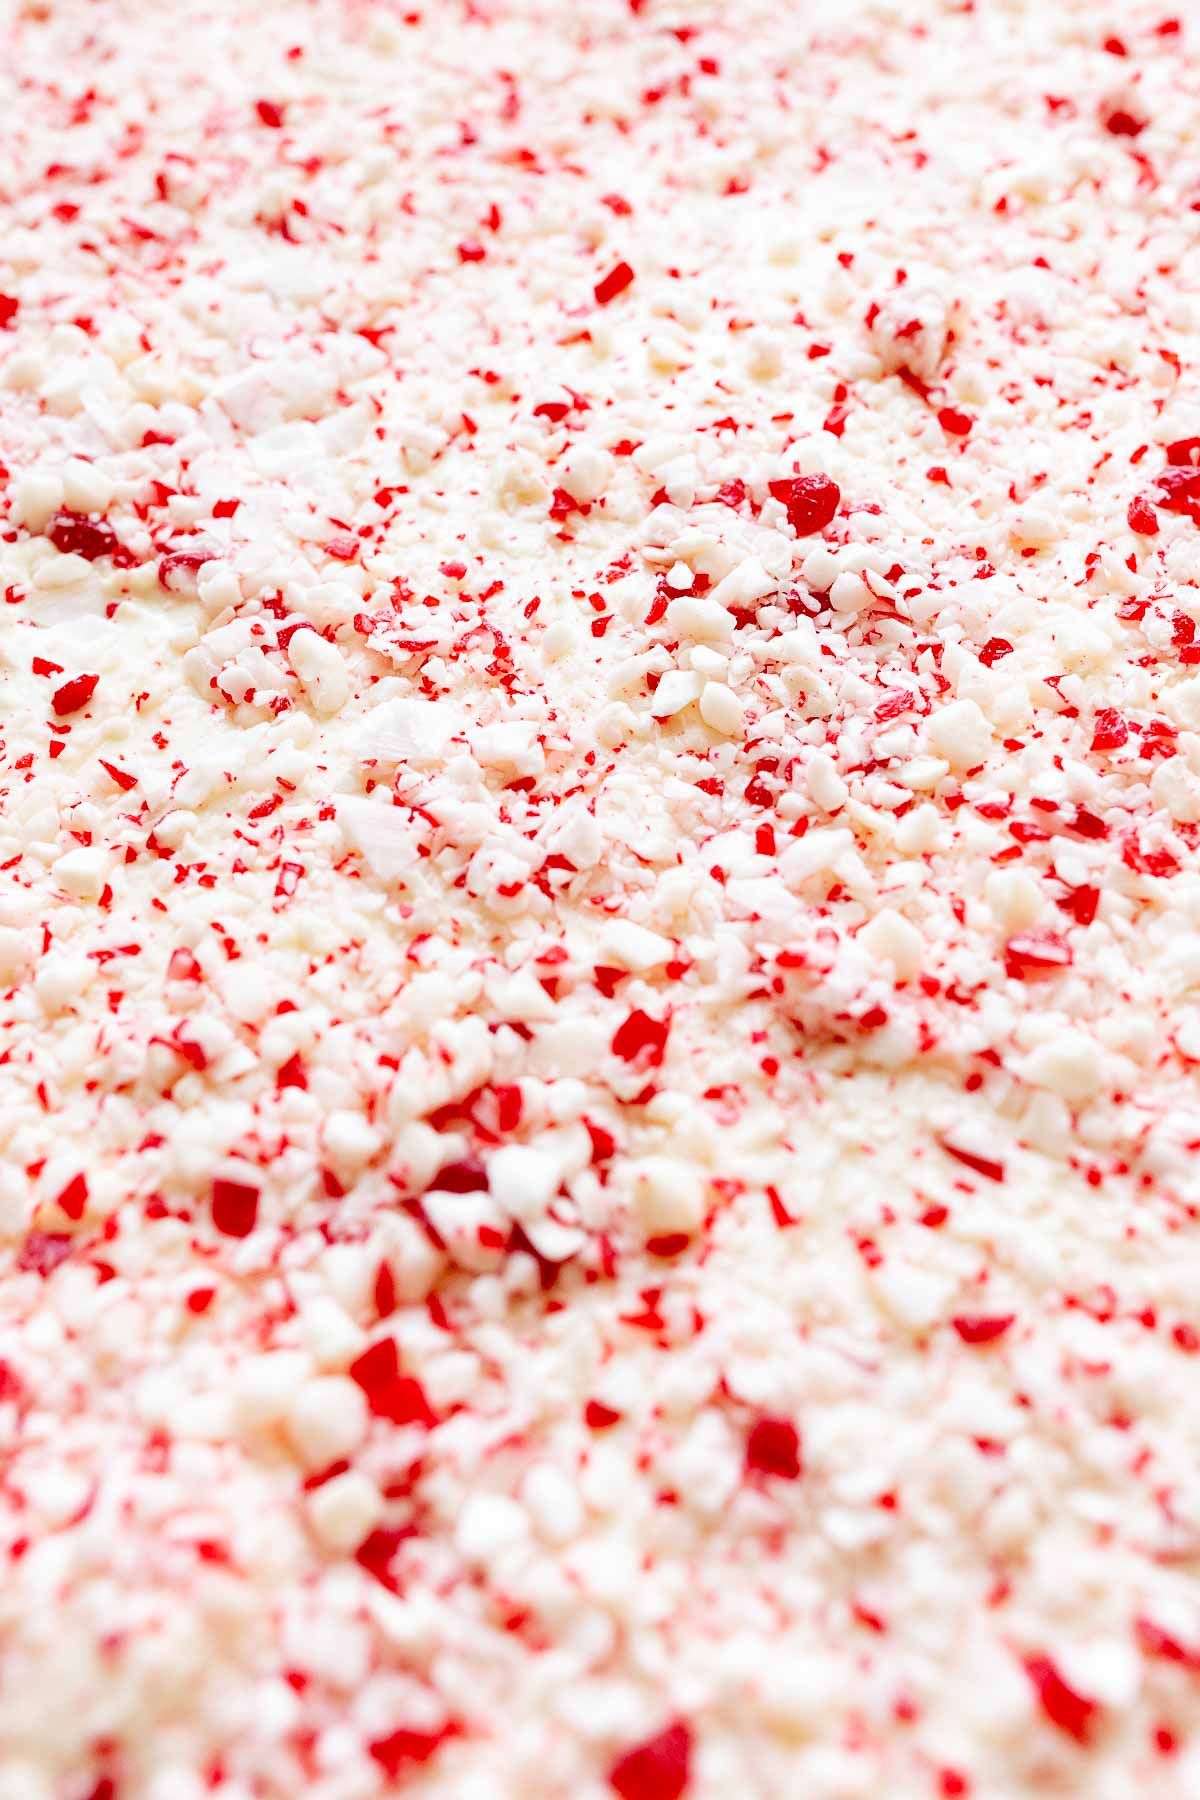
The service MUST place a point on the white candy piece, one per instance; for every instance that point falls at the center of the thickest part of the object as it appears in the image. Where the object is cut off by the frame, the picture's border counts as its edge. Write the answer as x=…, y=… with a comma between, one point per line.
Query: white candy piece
x=961, y=733
x=669, y=1196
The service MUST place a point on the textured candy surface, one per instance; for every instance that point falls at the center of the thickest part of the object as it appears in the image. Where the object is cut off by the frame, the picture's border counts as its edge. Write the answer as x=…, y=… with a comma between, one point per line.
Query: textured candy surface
x=599, y=961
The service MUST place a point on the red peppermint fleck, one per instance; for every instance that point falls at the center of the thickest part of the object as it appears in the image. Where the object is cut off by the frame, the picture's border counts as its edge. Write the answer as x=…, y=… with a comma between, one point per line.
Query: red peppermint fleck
x=982, y=1328
x=391, y=1394
x=1124, y=124
x=562, y=504
x=954, y=422
x=994, y=651
x=1082, y=903
x=607, y=980
x=120, y=778
x=471, y=253
x=640, y=1035
x=270, y=112
x=181, y=562
x=1142, y=516
x=671, y=1243
x=502, y=1108
x=1159, y=739
x=897, y=702
x=811, y=501
x=466, y=1177
x=234, y=1207
x=991, y=1168
x=1160, y=863
x=42, y=1251
x=615, y=282
x=659, y=1769
x=186, y=1048
x=773, y=1448
x=604, y=1144
x=76, y=535
x=385, y=1291
x=377, y=1549
x=1110, y=730
x=1031, y=954
x=407, y=1748
x=1086, y=824
x=1179, y=491
x=74, y=1197
x=342, y=549
x=598, y=1417
x=9, y=308
x=289, y=877
x=1154, y=1641
x=183, y=966
x=291, y=1074
x=1072, y=1712
x=74, y=694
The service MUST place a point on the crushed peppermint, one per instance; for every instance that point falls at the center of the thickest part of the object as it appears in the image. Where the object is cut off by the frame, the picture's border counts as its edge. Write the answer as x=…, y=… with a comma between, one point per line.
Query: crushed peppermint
x=600, y=813
x=657, y=1769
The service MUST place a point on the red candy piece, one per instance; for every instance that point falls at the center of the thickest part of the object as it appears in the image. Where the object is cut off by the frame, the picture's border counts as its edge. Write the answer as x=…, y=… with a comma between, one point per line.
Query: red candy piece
x=982, y=1329
x=773, y=1448
x=234, y=1207
x=811, y=501
x=659, y=1769
x=614, y=283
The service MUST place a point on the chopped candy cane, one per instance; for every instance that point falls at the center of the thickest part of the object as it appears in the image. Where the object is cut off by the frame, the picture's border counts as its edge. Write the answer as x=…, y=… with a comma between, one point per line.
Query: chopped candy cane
x=600, y=765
